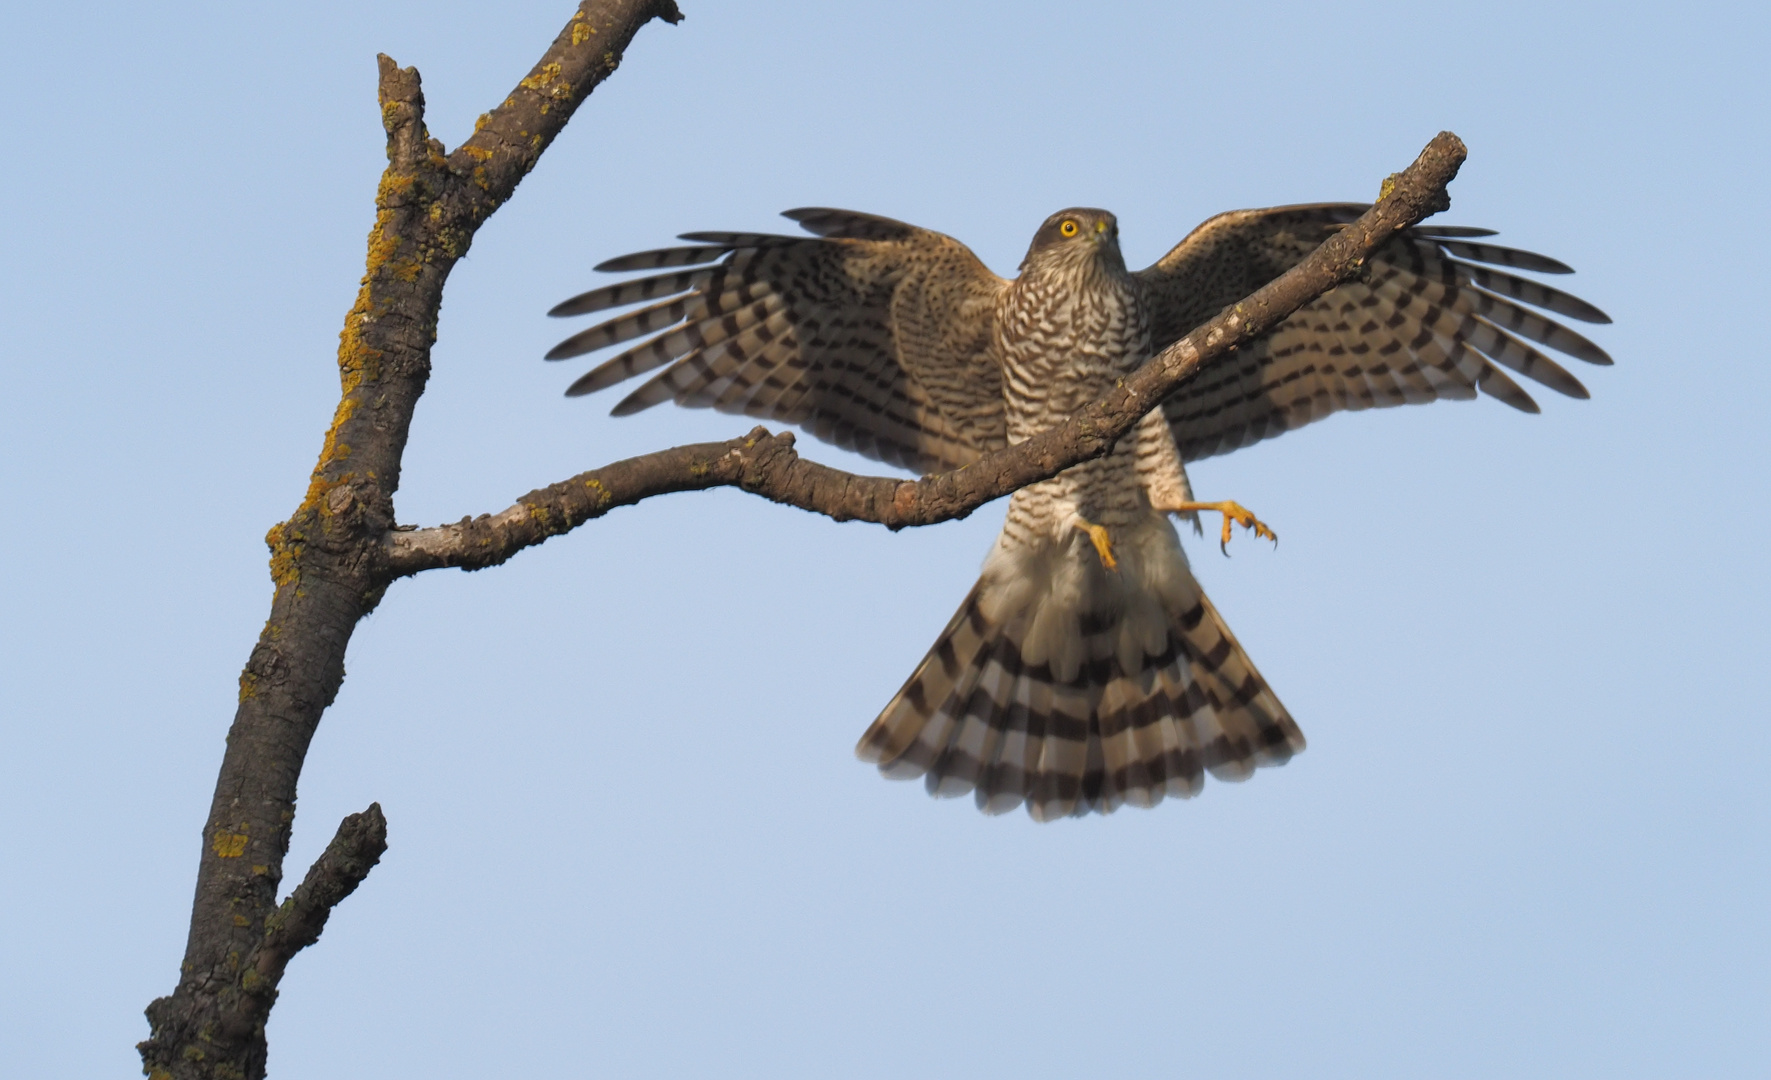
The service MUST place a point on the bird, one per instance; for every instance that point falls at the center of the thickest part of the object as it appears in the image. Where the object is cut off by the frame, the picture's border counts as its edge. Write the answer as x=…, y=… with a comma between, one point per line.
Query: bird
x=1086, y=670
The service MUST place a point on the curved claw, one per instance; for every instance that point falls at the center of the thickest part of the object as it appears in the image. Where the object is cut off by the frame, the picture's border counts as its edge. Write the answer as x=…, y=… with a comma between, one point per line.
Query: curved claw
x=1241, y=516
x=1097, y=535
x=1234, y=514
x=1103, y=546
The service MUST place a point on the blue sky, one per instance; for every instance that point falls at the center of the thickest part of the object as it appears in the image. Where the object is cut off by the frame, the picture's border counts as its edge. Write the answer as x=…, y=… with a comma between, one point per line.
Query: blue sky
x=627, y=835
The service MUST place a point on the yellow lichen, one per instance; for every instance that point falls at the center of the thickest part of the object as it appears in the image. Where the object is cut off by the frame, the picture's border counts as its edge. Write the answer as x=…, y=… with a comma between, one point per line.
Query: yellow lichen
x=393, y=183
x=332, y=451
x=358, y=362
x=285, y=556
x=229, y=845
x=538, y=81
x=248, y=686
x=581, y=31
x=382, y=247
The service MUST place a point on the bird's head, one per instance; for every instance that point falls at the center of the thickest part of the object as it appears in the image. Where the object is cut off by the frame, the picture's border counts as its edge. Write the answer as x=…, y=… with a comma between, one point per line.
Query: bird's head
x=1074, y=238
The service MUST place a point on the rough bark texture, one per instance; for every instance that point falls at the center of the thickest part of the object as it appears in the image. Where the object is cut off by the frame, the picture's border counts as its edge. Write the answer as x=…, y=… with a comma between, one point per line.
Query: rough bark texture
x=328, y=562
x=333, y=559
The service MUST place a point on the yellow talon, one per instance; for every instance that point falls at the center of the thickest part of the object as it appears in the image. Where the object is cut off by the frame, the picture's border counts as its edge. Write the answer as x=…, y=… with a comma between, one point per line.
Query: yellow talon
x=1234, y=513
x=1103, y=543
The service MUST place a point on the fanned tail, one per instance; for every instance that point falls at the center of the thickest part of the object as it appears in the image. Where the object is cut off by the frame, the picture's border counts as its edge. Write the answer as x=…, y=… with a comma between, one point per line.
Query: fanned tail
x=1070, y=688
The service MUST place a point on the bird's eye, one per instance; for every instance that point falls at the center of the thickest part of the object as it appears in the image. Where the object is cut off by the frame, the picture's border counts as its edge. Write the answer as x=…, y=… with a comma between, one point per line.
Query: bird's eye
x=1069, y=227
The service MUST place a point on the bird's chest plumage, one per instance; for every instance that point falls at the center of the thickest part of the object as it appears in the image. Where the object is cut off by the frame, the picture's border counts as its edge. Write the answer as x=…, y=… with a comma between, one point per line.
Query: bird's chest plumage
x=1065, y=339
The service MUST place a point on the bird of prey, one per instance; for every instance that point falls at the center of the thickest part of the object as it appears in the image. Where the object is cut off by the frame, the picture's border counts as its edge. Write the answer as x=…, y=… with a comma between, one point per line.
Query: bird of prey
x=1086, y=669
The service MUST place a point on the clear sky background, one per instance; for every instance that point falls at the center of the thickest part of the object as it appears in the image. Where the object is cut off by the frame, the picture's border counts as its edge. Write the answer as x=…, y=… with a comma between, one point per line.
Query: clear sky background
x=627, y=835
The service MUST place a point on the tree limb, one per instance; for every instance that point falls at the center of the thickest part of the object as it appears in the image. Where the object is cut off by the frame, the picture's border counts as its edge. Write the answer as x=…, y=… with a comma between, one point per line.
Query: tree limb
x=767, y=464
x=326, y=560
x=355, y=849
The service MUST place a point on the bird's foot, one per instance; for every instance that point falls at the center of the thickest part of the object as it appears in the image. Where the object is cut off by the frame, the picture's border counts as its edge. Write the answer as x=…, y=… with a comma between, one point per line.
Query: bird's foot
x=1103, y=543
x=1234, y=514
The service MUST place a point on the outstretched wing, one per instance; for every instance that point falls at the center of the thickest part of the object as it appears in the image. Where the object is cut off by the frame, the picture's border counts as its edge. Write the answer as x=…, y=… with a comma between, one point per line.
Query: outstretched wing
x=1434, y=313
x=873, y=335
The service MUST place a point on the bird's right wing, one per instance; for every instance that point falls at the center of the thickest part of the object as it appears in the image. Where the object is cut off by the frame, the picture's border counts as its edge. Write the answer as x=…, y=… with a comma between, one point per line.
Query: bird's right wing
x=873, y=335
x=1432, y=315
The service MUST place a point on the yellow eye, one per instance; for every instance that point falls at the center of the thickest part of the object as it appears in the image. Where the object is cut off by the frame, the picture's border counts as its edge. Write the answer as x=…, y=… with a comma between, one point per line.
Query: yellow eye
x=1069, y=227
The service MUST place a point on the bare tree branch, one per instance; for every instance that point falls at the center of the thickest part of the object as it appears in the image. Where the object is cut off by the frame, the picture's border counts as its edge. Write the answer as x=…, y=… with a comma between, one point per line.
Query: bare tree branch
x=326, y=560
x=767, y=464
x=347, y=860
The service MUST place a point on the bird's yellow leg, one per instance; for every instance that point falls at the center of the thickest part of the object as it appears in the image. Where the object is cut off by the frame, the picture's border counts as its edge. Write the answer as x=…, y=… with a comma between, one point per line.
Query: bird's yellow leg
x=1103, y=543
x=1234, y=513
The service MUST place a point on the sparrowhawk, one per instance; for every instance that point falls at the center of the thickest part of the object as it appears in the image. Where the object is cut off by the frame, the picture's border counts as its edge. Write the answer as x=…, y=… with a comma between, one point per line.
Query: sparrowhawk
x=1086, y=669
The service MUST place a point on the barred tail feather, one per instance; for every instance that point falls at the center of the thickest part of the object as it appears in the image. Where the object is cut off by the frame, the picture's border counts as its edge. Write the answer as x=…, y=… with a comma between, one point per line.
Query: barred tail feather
x=1068, y=688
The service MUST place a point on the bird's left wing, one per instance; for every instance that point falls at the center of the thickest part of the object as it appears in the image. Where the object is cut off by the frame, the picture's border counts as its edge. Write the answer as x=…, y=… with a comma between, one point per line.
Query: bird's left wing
x=1434, y=313
x=872, y=334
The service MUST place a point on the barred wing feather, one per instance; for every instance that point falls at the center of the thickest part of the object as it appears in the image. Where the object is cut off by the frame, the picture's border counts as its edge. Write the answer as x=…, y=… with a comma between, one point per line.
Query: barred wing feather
x=1436, y=315
x=872, y=335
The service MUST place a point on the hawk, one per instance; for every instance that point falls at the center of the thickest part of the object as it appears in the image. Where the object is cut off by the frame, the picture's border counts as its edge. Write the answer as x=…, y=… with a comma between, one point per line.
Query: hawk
x=1086, y=669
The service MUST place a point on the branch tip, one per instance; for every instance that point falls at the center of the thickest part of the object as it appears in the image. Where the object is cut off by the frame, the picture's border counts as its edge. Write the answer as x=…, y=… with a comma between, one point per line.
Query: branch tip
x=358, y=845
x=401, y=93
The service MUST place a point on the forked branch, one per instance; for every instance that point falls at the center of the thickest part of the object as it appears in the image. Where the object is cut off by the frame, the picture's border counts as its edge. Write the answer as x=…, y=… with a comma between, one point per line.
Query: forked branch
x=355, y=849
x=326, y=558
